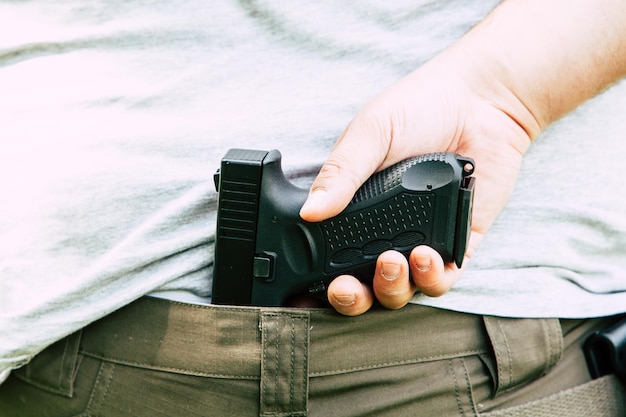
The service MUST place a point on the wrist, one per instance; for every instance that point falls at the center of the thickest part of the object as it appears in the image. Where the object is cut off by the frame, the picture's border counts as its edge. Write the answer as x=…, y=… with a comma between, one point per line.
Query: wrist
x=535, y=67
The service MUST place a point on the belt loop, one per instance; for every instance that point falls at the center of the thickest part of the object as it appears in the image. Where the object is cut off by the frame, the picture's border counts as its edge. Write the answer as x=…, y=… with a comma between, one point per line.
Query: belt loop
x=54, y=369
x=525, y=349
x=284, y=363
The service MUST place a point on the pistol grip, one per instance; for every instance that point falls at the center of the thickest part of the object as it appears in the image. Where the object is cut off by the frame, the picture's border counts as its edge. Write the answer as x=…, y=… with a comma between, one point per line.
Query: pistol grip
x=423, y=200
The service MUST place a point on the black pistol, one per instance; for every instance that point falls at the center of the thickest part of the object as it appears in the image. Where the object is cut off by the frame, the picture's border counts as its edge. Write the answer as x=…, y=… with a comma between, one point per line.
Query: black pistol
x=265, y=253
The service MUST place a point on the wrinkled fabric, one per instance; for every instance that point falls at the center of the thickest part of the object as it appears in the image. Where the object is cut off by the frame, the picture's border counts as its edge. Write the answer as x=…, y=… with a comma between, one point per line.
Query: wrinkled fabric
x=115, y=115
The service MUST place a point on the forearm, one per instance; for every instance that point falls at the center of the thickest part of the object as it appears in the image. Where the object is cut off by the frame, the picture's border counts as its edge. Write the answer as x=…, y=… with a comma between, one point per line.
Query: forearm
x=538, y=59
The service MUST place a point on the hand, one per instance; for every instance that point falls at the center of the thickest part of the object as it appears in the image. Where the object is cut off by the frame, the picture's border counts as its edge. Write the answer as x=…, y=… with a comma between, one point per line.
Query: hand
x=485, y=97
x=431, y=110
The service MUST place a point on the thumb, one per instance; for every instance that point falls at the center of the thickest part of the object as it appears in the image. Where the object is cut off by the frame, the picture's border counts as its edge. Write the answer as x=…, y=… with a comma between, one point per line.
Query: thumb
x=357, y=154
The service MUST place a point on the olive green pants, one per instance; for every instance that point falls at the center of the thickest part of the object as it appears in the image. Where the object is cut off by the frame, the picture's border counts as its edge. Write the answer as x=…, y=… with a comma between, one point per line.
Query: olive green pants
x=160, y=358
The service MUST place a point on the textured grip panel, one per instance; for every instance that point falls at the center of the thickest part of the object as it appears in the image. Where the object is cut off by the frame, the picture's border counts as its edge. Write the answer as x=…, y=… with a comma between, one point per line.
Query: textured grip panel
x=390, y=178
x=404, y=221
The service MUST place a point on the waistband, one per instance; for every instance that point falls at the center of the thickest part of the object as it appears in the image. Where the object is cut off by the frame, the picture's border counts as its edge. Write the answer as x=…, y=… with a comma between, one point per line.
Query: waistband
x=247, y=342
x=229, y=341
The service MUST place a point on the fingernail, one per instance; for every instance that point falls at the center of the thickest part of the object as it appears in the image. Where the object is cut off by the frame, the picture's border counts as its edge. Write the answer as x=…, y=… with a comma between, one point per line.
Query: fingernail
x=422, y=263
x=344, y=299
x=390, y=271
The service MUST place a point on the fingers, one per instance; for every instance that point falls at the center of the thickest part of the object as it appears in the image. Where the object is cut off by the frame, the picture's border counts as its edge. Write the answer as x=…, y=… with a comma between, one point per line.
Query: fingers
x=396, y=280
x=349, y=296
x=430, y=275
x=358, y=153
x=392, y=286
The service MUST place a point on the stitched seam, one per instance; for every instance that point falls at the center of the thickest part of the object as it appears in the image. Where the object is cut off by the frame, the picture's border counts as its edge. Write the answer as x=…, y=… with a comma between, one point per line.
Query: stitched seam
x=264, y=359
x=468, y=387
x=263, y=373
x=76, y=360
x=496, y=351
x=253, y=377
x=548, y=335
x=276, y=366
x=509, y=355
x=106, y=388
x=399, y=363
x=305, y=364
x=302, y=324
x=293, y=364
x=554, y=346
x=558, y=346
x=165, y=368
x=60, y=382
x=95, y=388
x=41, y=386
x=457, y=395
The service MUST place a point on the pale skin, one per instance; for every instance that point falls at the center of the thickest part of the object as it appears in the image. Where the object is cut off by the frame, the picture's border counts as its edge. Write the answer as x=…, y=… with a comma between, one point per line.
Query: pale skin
x=487, y=97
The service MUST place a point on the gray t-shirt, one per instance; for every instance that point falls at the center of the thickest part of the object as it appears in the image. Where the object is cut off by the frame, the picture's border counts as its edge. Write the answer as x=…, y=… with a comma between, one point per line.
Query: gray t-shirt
x=115, y=115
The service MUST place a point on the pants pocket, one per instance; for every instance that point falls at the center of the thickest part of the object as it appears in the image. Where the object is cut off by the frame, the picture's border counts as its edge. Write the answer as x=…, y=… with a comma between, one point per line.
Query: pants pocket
x=32, y=394
x=447, y=387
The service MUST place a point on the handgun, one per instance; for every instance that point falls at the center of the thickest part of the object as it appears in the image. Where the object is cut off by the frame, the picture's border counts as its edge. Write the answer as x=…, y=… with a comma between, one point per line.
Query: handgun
x=266, y=254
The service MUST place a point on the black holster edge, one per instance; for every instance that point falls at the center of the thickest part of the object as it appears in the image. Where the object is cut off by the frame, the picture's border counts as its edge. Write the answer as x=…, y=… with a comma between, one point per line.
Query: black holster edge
x=605, y=351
